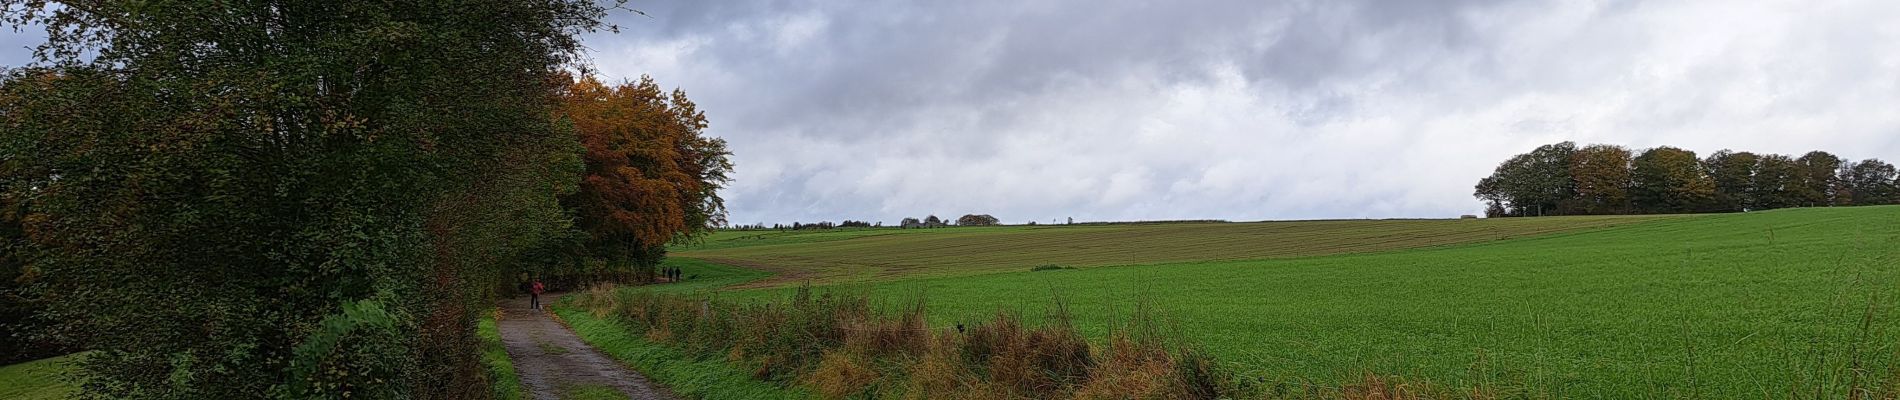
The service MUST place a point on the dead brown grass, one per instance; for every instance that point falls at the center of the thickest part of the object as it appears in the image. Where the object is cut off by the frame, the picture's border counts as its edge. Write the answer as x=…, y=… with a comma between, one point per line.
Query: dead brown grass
x=842, y=347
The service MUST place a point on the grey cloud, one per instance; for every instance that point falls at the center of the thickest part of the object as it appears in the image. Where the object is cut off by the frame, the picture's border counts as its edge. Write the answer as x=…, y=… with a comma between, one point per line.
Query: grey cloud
x=1240, y=110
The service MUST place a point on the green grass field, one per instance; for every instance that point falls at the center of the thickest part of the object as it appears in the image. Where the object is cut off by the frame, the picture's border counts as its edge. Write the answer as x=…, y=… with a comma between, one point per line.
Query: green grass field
x=867, y=255
x=38, y=380
x=1787, y=303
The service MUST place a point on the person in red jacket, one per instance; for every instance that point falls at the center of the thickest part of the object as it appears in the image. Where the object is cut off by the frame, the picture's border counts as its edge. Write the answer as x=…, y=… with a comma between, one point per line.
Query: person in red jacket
x=534, y=294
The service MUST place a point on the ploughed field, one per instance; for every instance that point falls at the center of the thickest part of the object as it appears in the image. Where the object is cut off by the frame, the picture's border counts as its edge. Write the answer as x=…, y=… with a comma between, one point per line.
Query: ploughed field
x=1785, y=303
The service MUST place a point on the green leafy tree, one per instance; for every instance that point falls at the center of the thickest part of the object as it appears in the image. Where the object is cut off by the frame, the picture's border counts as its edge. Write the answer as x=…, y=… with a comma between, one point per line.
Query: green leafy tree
x=1819, y=177
x=1732, y=173
x=1533, y=184
x=1670, y=180
x=298, y=199
x=1869, y=182
x=976, y=220
x=24, y=336
x=1776, y=184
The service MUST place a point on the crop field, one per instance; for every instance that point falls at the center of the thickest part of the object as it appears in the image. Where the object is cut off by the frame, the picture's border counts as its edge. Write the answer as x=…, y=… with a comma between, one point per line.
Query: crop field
x=865, y=255
x=1788, y=303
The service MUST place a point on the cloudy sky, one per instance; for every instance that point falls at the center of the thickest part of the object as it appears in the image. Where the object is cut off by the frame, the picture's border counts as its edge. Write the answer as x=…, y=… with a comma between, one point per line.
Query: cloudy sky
x=1241, y=110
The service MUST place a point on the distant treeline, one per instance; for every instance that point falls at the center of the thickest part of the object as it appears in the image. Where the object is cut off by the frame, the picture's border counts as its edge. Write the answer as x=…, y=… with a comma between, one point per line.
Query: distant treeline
x=1563, y=179
x=934, y=222
x=799, y=226
x=1155, y=222
x=928, y=222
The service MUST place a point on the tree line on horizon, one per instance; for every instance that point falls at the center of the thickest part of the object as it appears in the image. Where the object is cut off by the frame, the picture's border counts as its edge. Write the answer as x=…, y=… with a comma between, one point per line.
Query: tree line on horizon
x=1603, y=179
x=930, y=221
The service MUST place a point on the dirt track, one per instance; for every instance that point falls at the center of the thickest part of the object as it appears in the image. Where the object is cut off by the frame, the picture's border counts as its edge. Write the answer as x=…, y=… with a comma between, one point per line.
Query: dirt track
x=549, y=357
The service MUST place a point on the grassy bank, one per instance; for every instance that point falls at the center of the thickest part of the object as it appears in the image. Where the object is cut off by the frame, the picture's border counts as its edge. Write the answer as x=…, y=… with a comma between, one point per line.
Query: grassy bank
x=684, y=374
x=44, y=379
x=501, y=371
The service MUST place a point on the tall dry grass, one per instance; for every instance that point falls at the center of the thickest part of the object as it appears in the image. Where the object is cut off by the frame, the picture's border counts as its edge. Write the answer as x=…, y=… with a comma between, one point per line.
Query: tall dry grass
x=844, y=347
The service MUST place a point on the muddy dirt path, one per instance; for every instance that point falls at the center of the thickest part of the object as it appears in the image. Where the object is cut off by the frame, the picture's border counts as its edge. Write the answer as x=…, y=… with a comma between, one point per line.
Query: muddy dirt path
x=551, y=360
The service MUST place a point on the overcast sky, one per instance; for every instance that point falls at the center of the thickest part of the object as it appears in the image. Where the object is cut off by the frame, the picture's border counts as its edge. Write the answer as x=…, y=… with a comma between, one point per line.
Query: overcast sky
x=1242, y=110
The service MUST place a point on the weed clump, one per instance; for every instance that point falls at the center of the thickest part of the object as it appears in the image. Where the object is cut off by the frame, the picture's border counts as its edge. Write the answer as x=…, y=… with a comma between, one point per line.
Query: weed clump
x=1048, y=267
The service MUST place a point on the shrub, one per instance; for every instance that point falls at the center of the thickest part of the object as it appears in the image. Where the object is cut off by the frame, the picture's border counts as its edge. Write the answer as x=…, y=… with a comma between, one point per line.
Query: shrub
x=359, y=352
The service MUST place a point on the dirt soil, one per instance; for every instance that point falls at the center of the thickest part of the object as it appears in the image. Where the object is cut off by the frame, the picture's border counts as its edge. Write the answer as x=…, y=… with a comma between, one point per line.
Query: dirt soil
x=549, y=358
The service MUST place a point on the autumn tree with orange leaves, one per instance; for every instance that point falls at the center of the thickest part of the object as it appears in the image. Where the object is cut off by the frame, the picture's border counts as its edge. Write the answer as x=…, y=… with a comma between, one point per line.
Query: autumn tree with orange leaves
x=651, y=175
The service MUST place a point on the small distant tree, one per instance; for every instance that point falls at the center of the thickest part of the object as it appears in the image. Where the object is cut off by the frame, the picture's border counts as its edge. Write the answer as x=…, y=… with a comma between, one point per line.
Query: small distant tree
x=909, y=222
x=976, y=220
x=933, y=221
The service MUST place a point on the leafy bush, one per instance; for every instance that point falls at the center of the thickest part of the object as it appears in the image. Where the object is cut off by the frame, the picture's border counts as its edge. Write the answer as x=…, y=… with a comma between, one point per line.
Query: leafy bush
x=354, y=353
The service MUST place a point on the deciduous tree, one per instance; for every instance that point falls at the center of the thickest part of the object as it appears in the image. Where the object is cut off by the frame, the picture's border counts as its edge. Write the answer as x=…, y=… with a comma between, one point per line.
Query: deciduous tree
x=1776, y=183
x=976, y=220
x=1819, y=176
x=1602, y=178
x=1732, y=173
x=1533, y=184
x=1670, y=180
x=1869, y=182
x=651, y=174
x=296, y=199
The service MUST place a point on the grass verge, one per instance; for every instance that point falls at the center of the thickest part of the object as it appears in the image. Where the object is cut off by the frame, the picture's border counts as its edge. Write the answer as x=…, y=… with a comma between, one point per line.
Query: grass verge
x=501, y=371
x=590, y=392
x=44, y=379
x=687, y=376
